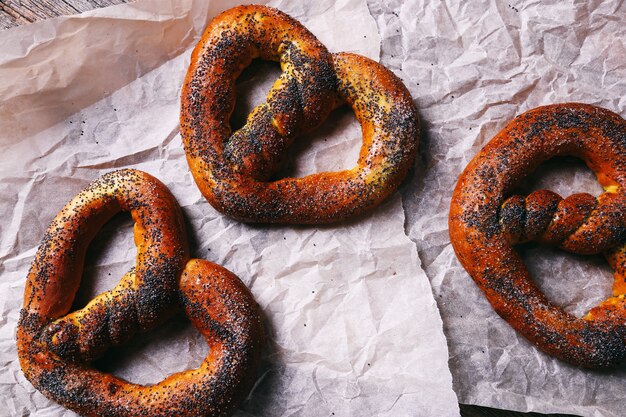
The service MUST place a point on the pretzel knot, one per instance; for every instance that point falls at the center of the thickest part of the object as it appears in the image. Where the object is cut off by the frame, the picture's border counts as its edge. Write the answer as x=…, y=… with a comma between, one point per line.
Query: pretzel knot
x=55, y=348
x=484, y=226
x=233, y=170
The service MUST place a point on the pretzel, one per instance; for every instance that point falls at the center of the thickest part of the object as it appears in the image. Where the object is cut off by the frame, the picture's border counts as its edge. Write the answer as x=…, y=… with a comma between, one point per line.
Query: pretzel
x=55, y=348
x=485, y=224
x=233, y=170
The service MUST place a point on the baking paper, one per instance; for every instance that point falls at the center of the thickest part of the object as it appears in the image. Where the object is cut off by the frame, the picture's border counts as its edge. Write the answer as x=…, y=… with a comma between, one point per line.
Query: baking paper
x=471, y=67
x=353, y=326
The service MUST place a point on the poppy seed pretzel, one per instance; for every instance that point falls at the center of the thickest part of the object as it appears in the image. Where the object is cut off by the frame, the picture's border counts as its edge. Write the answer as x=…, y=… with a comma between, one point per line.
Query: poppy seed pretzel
x=55, y=348
x=233, y=170
x=485, y=224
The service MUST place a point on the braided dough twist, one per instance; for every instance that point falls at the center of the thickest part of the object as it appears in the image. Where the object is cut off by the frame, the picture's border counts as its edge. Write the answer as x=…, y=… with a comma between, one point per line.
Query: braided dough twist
x=233, y=170
x=55, y=348
x=484, y=226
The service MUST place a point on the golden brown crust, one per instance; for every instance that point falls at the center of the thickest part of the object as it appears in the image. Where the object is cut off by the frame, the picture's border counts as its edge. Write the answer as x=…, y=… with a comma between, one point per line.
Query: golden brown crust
x=54, y=348
x=484, y=226
x=232, y=169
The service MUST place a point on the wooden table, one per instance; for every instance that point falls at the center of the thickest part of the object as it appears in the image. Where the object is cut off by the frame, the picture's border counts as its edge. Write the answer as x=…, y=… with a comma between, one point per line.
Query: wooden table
x=18, y=12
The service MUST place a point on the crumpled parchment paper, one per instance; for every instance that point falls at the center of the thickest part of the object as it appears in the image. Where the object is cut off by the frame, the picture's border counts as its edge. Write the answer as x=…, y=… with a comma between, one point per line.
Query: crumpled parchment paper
x=354, y=329
x=471, y=67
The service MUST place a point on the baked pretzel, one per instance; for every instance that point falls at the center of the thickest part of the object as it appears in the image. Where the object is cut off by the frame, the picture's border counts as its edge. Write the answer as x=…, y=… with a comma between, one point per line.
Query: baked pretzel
x=485, y=224
x=55, y=348
x=233, y=170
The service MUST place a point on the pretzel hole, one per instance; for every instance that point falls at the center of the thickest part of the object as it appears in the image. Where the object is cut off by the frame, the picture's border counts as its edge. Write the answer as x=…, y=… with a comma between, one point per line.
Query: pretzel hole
x=252, y=86
x=333, y=146
x=148, y=358
x=109, y=256
x=576, y=283
x=564, y=175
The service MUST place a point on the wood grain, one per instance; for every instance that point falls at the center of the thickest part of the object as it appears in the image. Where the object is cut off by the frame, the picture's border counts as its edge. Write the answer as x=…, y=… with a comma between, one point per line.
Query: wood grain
x=18, y=12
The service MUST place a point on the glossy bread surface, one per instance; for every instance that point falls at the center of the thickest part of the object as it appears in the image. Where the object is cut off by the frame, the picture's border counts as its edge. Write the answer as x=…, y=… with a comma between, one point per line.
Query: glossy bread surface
x=234, y=169
x=55, y=347
x=485, y=222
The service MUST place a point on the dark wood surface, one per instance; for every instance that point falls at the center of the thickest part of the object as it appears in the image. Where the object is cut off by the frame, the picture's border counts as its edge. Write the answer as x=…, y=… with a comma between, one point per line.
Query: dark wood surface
x=18, y=12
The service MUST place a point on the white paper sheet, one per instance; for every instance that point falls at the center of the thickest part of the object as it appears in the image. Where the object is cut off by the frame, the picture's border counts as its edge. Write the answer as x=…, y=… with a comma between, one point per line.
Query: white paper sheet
x=471, y=67
x=354, y=327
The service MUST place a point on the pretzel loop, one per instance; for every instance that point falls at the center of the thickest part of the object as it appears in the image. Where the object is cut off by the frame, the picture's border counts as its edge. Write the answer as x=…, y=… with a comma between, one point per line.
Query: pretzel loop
x=54, y=347
x=299, y=100
x=233, y=170
x=484, y=226
x=146, y=295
